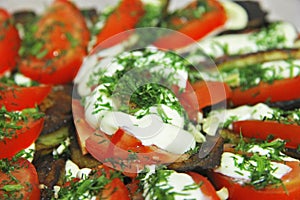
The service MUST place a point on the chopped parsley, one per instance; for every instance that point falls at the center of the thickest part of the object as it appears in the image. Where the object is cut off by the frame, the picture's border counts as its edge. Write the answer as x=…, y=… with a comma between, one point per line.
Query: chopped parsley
x=144, y=81
x=269, y=37
x=264, y=72
x=10, y=122
x=86, y=188
x=260, y=164
x=195, y=11
x=155, y=185
x=285, y=116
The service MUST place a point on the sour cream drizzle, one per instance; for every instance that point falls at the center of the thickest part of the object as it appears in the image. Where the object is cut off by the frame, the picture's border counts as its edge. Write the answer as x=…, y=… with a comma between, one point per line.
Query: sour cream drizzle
x=161, y=124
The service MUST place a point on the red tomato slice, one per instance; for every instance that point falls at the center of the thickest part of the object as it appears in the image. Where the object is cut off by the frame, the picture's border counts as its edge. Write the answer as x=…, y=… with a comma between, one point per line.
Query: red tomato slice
x=123, y=18
x=279, y=90
x=21, y=138
x=262, y=129
x=18, y=98
x=205, y=185
x=64, y=31
x=115, y=190
x=210, y=92
x=195, y=29
x=9, y=42
x=25, y=177
x=117, y=151
x=200, y=95
x=237, y=191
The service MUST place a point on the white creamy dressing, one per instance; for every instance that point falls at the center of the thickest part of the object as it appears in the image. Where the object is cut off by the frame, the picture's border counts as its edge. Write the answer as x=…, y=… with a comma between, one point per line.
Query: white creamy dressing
x=74, y=171
x=20, y=79
x=177, y=181
x=100, y=114
x=243, y=43
x=273, y=70
x=282, y=68
x=216, y=118
x=228, y=168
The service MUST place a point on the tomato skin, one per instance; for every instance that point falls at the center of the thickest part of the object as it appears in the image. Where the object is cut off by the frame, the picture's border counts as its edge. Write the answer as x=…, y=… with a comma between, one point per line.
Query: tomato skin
x=115, y=190
x=211, y=92
x=237, y=191
x=123, y=18
x=26, y=174
x=22, y=138
x=18, y=98
x=206, y=187
x=10, y=42
x=64, y=55
x=279, y=90
x=112, y=151
x=262, y=129
x=195, y=29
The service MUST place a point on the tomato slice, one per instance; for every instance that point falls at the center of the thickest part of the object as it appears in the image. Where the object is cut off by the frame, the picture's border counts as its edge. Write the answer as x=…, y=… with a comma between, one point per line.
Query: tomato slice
x=18, y=98
x=9, y=42
x=20, y=138
x=211, y=92
x=263, y=129
x=195, y=29
x=205, y=185
x=64, y=35
x=22, y=180
x=291, y=182
x=279, y=90
x=202, y=94
x=115, y=190
x=120, y=151
x=123, y=18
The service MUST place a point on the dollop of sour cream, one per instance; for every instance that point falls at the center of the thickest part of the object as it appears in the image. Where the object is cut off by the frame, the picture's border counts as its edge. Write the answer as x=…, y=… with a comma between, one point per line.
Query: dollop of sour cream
x=179, y=185
x=160, y=124
x=228, y=167
x=217, y=117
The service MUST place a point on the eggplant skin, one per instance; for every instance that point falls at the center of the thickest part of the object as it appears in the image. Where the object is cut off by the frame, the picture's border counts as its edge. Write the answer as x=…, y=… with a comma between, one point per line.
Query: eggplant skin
x=57, y=108
x=238, y=61
x=194, y=163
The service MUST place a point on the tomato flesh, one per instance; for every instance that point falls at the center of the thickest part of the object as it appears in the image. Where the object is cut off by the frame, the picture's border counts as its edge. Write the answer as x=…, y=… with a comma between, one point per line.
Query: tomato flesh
x=205, y=185
x=195, y=29
x=210, y=92
x=10, y=42
x=123, y=18
x=262, y=129
x=17, y=97
x=22, y=138
x=26, y=176
x=279, y=90
x=121, y=151
x=66, y=36
x=238, y=191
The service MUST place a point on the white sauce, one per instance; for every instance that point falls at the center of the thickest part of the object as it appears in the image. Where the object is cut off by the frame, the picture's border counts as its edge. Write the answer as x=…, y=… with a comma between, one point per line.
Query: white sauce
x=178, y=181
x=217, y=117
x=237, y=17
x=150, y=130
x=20, y=79
x=74, y=171
x=242, y=43
x=98, y=100
x=228, y=168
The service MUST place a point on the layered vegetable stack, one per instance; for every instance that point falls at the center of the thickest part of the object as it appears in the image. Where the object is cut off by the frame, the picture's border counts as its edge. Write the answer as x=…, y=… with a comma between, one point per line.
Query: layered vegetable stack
x=149, y=100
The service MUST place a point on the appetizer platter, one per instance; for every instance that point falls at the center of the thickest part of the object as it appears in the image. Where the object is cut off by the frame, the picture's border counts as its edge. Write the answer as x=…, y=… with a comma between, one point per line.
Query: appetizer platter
x=137, y=99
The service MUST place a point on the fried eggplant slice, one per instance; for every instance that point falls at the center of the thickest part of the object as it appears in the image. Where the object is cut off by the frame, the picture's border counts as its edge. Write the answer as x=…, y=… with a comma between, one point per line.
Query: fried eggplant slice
x=58, y=116
x=194, y=163
x=239, y=61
